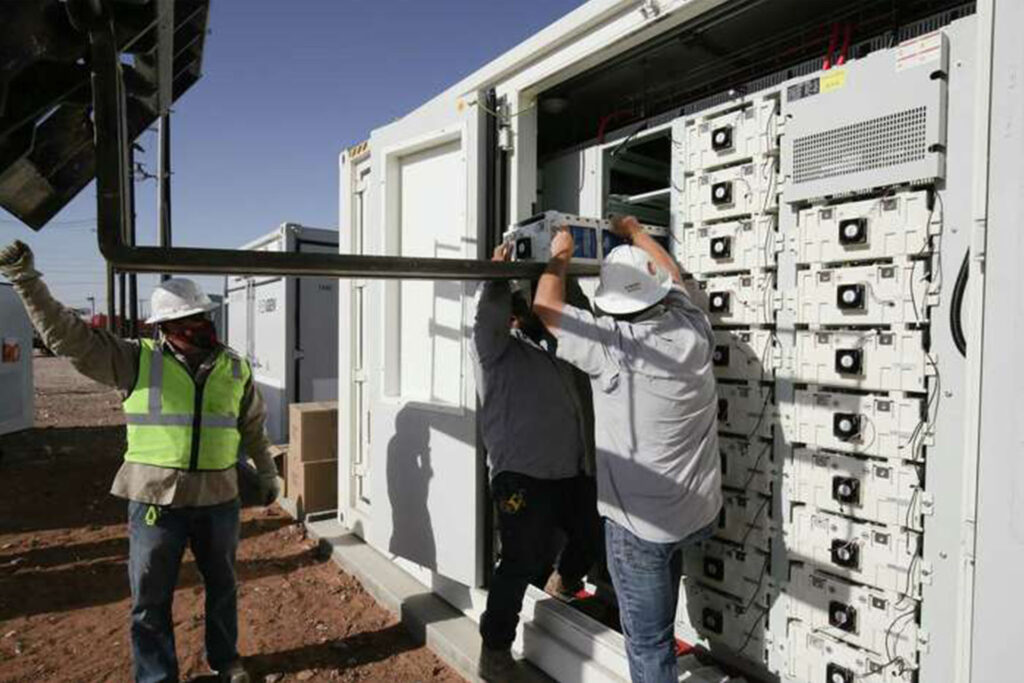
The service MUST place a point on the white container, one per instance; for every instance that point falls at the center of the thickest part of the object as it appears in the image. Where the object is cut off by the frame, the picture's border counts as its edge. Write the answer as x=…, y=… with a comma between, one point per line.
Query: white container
x=16, y=398
x=287, y=327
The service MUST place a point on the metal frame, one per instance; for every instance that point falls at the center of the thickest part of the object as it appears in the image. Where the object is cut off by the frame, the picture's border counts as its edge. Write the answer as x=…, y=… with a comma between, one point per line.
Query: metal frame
x=114, y=216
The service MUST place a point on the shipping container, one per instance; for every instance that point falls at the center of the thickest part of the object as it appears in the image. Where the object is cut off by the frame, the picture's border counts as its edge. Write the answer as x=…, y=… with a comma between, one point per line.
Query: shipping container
x=287, y=327
x=842, y=181
x=17, y=401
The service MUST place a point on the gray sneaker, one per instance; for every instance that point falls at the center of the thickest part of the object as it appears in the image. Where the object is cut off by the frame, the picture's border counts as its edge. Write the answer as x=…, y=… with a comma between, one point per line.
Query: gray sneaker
x=496, y=665
x=235, y=673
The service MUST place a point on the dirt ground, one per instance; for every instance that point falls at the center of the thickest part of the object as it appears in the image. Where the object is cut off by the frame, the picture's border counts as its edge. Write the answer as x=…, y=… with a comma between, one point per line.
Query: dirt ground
x=63, y=580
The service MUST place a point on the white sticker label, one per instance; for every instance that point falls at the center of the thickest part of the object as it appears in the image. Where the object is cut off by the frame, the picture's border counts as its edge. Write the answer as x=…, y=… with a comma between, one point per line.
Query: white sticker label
x=919, y=51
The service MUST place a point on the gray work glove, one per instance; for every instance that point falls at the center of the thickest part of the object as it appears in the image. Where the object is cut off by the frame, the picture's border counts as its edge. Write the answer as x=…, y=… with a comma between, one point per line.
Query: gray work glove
x=17, y=263
x=269, y=488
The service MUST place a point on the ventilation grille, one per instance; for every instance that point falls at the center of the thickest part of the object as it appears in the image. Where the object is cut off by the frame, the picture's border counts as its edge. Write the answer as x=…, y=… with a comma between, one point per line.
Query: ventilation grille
x=886, y=141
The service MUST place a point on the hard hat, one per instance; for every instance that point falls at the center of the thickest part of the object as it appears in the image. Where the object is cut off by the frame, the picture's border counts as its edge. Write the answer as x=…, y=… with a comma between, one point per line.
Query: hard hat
x=630, y=281
x=177, y=298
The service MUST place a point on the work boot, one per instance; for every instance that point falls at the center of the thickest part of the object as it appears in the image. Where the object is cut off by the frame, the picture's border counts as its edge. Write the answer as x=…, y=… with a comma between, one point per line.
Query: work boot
x=496, y=665
x=235, y=673
x=561, y=588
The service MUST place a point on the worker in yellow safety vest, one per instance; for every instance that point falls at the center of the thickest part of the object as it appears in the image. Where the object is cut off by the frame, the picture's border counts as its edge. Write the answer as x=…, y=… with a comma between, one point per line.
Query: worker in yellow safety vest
x=190, y=405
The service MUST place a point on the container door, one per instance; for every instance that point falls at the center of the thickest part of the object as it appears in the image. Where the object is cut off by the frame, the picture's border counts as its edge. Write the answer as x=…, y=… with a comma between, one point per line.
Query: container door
x=269, y=353
x=427, y=478
x=316, y=335
x=237, y=302
x=360, y=438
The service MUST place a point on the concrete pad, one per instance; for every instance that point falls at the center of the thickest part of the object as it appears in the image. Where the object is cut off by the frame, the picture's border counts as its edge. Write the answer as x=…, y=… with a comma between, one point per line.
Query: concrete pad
x=429, y=619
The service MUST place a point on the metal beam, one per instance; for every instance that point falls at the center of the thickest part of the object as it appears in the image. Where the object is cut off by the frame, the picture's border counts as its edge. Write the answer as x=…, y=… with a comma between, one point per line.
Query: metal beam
x=182, y=260
x=113, y=207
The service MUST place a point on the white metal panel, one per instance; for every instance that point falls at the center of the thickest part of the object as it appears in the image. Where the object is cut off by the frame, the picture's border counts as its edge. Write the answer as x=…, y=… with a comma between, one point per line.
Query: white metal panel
x=745, y=410
x=737, y=571
x=17, y=405
x=270, y=355
x=739, y=299
x=884, y=227
x=884, y=294
x=721, y=138
x=727, y=247
x=744, y=354
x=433, y=222
x=730, y=192
x=867, y=124
x=746, y=465
x=316, y=338
x=815, y=657
x=707, y=617
x=883, y=491
x=744, y=520
x=889, y=360
x=883, y=557
x=238, y=303
x=862, y=616
x=425, y=470
x=871, y=425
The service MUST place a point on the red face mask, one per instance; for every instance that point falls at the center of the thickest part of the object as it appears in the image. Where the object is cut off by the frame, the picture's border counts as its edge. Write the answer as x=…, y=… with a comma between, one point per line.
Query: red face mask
x=191, y=335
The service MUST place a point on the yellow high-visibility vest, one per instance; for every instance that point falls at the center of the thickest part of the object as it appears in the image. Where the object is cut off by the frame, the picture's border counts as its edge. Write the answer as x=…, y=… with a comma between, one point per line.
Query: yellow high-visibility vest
x=173, y=423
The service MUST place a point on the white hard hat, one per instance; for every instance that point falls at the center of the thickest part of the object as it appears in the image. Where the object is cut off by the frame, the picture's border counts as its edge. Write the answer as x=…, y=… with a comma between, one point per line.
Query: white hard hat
x=630, y=281
x=177, y=298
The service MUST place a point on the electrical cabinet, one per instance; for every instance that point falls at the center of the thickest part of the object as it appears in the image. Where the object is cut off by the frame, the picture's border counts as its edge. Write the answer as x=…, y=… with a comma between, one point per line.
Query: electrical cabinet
x=811, y=216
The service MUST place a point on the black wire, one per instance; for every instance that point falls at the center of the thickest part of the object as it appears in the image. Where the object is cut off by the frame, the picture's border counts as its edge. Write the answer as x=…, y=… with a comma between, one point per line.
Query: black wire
x=956, y=323
x=757, y=516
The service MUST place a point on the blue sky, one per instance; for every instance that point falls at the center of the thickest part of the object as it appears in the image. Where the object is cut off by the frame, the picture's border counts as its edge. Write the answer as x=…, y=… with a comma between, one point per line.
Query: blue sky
x=286, y=87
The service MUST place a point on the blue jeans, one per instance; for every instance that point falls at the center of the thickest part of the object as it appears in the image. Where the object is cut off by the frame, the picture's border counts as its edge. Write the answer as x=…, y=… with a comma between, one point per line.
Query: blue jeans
x=157, y=540
x=646, y=578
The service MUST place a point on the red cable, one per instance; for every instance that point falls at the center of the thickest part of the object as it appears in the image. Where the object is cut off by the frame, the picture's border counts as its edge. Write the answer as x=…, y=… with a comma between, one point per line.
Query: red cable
x=833, y=42
x=844, y=51
x=605, y=120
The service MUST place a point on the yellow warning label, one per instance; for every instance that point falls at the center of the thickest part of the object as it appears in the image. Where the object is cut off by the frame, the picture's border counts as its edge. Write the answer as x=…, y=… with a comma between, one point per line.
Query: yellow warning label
x=833, y=80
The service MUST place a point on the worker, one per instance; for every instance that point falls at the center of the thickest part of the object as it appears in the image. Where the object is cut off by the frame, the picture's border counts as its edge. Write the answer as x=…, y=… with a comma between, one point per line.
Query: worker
x=189, y=404
x=648, y=355
x=533, y=425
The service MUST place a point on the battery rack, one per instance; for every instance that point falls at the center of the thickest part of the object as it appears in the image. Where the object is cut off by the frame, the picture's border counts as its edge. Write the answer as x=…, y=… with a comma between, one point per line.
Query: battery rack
x=809, y=217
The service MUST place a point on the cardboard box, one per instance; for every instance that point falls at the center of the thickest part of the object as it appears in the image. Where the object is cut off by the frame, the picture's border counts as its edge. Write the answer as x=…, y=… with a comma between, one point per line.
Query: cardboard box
x=313, y=431
x=313, y=486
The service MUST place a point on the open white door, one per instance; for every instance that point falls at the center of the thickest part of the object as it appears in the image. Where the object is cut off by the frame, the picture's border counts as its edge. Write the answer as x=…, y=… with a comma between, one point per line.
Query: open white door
x=425, y=475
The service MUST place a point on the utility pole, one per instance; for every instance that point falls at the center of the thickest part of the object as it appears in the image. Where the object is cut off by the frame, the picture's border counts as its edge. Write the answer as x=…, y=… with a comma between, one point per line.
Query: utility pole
x=92, y=306
x=163, y=174
x=165, y=66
